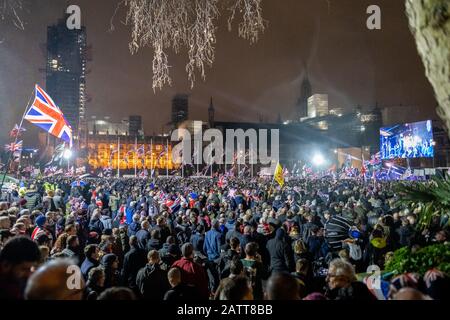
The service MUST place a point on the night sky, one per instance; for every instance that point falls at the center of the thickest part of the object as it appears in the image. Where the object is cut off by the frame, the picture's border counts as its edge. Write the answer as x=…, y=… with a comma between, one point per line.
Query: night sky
x=346, y=60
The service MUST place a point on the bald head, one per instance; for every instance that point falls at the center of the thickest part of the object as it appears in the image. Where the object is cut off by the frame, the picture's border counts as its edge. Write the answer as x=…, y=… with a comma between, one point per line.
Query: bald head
x=57, y=280
x=174, y=276
x=410, y=294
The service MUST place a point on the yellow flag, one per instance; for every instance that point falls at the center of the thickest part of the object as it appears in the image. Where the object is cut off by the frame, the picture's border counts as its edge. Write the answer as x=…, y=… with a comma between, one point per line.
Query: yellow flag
x=279, y=177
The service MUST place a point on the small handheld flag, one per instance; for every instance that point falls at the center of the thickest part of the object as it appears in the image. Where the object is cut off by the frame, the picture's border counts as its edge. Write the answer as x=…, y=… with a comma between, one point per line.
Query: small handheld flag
x=13, y=147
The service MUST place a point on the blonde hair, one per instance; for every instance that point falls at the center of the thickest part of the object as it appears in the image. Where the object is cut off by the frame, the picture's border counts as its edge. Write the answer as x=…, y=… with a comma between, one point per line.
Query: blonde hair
x=343, y=269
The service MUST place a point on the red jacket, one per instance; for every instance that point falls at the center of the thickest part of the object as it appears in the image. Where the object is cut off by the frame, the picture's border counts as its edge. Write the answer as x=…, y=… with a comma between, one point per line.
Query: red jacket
x=193, y=274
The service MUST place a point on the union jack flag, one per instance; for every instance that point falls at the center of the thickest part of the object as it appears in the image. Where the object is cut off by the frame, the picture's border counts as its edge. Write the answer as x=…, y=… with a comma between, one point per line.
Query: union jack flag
x=223, y=182
x=13, y=147
x=45, y=114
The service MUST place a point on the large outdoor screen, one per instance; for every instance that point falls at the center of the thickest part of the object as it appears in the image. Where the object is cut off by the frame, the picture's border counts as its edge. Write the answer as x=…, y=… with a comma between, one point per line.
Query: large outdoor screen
x=410, y=140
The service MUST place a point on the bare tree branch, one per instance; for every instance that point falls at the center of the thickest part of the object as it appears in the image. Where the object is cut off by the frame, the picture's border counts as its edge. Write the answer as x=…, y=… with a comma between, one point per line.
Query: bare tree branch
x=189, y=24
x=10, y=10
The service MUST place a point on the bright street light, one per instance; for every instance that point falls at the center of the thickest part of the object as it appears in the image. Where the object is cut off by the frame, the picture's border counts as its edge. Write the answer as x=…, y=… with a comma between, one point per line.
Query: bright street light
x=318, y=160
x=67, y=154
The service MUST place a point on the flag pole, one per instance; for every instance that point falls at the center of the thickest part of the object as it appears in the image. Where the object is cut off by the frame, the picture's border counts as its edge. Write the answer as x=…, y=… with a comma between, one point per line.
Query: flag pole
x=135, y=158
x=151, y=158
x=167, y=162
x=118, y=155
x=15, y=142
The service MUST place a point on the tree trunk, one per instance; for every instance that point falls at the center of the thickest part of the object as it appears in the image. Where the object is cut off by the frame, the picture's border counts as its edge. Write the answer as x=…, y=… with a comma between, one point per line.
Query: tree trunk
x=429, y=21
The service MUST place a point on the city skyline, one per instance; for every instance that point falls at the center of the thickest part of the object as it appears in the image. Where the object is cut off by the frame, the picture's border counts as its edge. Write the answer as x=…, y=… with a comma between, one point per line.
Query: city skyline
x=351, y=64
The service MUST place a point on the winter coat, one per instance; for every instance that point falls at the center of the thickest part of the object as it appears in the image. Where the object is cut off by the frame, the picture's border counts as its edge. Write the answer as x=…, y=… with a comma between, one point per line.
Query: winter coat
x=182, y=293
x=152, y=282
x=87, y=265
x=142, y=237
x=198, y=241
x=213, y=242
x=133, y=228
x=225, y=261
x=193, y=274
x=280, y=252
x=95, y=225
x=134, y=260
x=154, y=244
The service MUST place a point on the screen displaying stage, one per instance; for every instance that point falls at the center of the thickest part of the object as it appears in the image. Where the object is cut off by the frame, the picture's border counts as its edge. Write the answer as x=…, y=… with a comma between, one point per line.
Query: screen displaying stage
x=409, y=140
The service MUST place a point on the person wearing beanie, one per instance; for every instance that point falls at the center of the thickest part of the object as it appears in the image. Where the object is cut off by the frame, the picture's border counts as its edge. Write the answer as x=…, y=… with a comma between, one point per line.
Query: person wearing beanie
x=170, y=252
x=110, y=263
x=192, y=273
x=40, y=229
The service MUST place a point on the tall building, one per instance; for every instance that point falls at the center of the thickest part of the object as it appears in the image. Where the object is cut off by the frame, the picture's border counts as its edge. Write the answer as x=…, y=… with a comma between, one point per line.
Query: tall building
x=66, y=73
x=306, y=92
x=180, y=109
x=135, y=126
x=318, y=106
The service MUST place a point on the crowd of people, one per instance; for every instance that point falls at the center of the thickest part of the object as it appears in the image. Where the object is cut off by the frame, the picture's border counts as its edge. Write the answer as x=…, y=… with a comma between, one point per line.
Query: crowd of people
x=193, y=239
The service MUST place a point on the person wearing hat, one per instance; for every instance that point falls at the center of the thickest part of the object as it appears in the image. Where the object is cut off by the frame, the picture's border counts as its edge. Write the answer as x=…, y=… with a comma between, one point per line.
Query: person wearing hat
x=172, y=254
x=40, y=229
x=110, y=263
x=191, y=272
